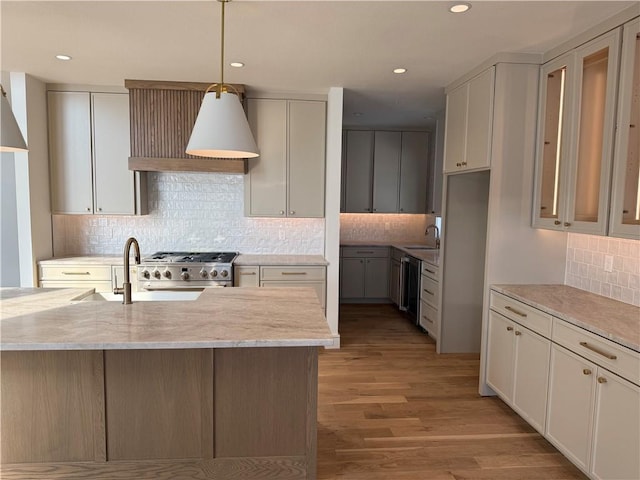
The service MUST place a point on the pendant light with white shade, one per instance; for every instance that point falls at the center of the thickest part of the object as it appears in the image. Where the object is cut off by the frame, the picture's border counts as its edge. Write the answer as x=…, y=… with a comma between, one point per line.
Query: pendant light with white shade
x=11, y=139
x=221, y=129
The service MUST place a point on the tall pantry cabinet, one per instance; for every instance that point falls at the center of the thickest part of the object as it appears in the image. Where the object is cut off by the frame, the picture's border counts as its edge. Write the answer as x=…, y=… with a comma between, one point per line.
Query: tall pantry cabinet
x=89, y=150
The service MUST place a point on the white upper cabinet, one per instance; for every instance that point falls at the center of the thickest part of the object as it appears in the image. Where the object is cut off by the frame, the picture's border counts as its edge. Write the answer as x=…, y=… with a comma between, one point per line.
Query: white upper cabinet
x=575, y=137
x=625, y=196
x=469, y=124
x=89, y=151
x=287, y=179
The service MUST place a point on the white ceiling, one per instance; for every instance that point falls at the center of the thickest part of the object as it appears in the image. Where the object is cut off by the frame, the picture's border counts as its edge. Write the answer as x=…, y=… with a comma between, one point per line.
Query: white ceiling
x=304, y=46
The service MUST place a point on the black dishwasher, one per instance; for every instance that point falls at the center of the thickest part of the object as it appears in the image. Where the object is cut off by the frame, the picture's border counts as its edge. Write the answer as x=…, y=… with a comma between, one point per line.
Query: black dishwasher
x=410, y=287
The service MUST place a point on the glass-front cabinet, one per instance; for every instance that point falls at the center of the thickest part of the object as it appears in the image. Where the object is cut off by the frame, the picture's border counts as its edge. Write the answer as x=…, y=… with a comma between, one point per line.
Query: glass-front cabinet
x=625, y=198
x=575, y=137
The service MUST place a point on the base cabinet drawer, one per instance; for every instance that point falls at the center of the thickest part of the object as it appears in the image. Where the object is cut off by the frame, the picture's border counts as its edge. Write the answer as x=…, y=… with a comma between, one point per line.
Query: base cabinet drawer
x=73, y=273
x=293, y=273
x=429, y=319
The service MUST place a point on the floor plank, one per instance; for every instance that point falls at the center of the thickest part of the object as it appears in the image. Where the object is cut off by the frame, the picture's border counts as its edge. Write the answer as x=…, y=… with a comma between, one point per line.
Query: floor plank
x=390, y=408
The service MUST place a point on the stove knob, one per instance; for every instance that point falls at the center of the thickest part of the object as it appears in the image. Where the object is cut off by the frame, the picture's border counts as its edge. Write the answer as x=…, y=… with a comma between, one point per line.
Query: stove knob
x=214, y=273
x=167, y=273
x=184, y=275
x=146, y=274
x=157, y=274
x=224, y=273
x=203, y=273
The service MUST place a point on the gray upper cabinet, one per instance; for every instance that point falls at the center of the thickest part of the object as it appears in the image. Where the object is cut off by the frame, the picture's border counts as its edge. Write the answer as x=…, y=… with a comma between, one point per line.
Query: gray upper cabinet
x=89, y=152
x=413, y=172
x=358, y=171
x=385, y=171
x=287, y=179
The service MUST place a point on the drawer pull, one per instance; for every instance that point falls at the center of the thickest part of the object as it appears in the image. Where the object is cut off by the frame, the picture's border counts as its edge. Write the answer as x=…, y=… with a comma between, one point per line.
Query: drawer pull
x=294, y=273
x=586, y=371
x=430, y=271
x=247, y=273
x=602, y=380
x=509, y=329
x=428, y=291
x=364, y=251
x=76, y=273
x=598, y=351
x=517, y=312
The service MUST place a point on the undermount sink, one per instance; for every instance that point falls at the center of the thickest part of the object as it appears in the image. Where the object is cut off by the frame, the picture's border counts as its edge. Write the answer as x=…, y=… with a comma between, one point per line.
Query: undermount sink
x=146, y=296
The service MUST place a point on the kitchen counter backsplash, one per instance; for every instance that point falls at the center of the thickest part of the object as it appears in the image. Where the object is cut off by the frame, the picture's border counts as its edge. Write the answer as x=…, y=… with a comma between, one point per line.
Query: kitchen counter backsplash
x=388, y=228
x=189, y=211
x=586, y=260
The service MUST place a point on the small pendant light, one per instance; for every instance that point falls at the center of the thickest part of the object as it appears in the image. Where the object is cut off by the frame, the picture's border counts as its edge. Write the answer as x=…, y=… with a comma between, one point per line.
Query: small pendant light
x=221, y=129
x=11, y=139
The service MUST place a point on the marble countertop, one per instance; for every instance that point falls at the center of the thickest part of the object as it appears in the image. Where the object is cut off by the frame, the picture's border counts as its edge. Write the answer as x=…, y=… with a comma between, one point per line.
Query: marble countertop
x=431, y=256
x=248, y=259
x=45, y=319
x=617, y=321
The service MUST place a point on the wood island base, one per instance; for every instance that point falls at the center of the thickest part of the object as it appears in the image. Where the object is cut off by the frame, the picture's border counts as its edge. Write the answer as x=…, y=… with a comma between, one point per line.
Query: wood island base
x=222, y=413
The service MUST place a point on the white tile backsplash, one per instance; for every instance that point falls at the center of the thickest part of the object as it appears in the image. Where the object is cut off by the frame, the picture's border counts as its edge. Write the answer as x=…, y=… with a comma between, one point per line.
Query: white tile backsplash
x=363, y=227
x=586, y=259
x=190, y=211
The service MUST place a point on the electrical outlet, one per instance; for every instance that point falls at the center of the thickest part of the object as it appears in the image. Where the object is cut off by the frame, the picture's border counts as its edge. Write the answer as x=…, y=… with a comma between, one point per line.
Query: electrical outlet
x=608, y=263
x=387, y=226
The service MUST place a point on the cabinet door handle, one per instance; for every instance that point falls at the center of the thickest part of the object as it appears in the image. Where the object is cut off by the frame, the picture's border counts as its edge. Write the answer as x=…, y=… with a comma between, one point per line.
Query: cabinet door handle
x=464, y=164
x=428, y=291
x=518, y=332
x=294, y=273
x=598, y=351
x=76, y=273
x=88, y=209
x=586, y=371
x=557, y=222
x=458, y=164
x=281, y=212
x=567, y=224
x=517, y=312
x=602, y=380
x=509, y=329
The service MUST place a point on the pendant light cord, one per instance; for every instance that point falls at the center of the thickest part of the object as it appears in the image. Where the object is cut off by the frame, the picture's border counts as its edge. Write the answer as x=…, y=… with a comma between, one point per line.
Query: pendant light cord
x=219, y=90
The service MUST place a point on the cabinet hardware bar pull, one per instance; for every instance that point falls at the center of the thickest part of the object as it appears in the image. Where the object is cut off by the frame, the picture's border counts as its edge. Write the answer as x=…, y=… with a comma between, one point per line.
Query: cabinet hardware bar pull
x=509, y=329
x=602, y=380
x=586, y=371
x=364, y=251
x=76, y=273
x=294, y=273
x=430, y=271
x=598, y=351
x=247, y=273
x=517, y=312
x=428, y=291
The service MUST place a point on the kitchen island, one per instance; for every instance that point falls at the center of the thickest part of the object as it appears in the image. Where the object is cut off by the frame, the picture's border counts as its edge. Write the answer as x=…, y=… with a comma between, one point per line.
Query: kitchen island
x=224, y=386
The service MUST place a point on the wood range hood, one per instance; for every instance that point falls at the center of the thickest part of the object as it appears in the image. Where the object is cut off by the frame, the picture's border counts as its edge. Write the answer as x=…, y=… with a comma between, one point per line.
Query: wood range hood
x=162, y=116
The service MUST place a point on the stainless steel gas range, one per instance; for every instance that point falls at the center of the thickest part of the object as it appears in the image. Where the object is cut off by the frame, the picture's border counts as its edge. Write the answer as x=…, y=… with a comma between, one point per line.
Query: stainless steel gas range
x=184, y=270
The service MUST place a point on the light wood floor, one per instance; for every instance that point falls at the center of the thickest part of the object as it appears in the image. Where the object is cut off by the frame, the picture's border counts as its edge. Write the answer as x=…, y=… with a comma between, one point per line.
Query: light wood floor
x=390, y=408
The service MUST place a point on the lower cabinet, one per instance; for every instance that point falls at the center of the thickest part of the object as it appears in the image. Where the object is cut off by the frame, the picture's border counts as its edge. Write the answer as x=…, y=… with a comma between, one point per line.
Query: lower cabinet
x=578, y=389
x=429, y=299
x=594, y=417
x=283, y=276
x=518, y=368
x=364, y=273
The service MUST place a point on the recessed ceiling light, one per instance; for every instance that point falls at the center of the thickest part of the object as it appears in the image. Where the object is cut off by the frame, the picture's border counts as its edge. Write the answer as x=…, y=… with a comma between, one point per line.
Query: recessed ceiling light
x=399, y=70
x=63, y=57
x=459, y=7
x=237, y=64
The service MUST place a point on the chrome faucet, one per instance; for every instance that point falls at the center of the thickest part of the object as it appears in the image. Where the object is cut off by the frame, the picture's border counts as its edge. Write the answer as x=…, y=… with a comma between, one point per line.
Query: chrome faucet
x=437, y=233
x=126, y=285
